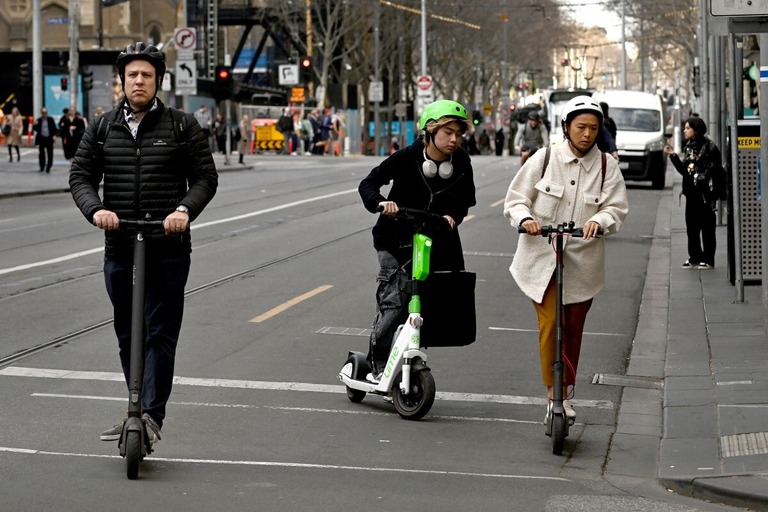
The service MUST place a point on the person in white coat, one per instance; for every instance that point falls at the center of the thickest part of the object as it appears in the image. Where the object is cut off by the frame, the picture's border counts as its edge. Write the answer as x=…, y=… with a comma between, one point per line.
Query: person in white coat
x=578, y=185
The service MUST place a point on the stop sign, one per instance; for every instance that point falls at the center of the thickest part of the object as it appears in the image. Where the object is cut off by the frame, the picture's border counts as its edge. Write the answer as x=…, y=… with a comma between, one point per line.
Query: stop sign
x=424, y=82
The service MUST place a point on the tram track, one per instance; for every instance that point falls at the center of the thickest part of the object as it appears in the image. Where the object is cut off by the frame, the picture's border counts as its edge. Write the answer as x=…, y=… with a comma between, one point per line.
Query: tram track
x=66, y=338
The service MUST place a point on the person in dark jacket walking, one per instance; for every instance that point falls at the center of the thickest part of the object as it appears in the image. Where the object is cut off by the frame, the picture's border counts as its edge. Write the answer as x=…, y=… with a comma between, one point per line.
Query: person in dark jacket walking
x=432, y=174
x=152, y=161
x=704, y=182
x=45, y=134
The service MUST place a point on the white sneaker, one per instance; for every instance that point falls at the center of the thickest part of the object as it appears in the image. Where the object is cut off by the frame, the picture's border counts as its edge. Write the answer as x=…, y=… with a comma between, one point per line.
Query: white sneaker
x=569, y=412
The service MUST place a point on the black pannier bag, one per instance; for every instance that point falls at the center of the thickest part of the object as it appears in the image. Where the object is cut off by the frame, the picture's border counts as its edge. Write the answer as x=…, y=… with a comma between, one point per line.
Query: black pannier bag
x=448, y=308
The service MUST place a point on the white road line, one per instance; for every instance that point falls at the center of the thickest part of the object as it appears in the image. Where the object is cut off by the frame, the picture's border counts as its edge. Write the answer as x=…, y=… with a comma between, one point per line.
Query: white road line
x=536, y=330
x=300, y=465
x=356, y=412
x=52, y=373
x=192, y=226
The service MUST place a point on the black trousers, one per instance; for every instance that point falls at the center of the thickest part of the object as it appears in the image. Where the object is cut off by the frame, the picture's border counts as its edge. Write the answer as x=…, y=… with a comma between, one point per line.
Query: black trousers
x=45, y=151
x=700, y=221
x=163, y=311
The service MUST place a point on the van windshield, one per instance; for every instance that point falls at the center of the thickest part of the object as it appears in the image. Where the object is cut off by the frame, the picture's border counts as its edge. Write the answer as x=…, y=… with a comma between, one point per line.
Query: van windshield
x=636, y=119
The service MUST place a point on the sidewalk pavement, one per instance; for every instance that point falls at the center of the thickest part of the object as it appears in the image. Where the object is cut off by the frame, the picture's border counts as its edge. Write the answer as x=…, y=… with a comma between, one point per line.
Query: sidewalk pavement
x=694, y=409
x=23, y=178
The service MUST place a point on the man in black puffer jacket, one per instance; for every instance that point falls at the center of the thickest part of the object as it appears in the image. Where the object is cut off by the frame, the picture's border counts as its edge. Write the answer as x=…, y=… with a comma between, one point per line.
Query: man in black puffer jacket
x=432, y=174
x=152, y=161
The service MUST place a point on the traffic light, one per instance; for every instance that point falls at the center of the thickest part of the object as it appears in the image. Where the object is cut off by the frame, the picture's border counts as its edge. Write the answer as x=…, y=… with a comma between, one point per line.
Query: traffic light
x=64, y=83
x=25, y=74
x=477, y=117
x=87, y=79
x=564, y=62
x=223, y=83
x=305, y=64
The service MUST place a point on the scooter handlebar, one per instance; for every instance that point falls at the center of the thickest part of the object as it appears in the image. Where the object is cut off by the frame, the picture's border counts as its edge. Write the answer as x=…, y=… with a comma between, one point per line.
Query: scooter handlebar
x=566, y=228
x=145, y=226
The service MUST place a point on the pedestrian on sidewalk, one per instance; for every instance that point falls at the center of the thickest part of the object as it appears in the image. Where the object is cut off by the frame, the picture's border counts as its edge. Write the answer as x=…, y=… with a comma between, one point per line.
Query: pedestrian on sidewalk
x=704, y=182
x=14, y=131
x=579, y=184
x=45, y=135
x=245, y=136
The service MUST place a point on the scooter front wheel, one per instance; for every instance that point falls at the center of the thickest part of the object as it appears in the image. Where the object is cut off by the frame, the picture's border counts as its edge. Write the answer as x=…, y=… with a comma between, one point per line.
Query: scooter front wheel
x=420, y=397
x=355, y=395
x=558, y=433
x=132, y=453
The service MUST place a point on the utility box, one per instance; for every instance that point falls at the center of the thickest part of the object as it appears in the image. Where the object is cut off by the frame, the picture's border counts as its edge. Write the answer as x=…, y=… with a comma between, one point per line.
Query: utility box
x=750, y=210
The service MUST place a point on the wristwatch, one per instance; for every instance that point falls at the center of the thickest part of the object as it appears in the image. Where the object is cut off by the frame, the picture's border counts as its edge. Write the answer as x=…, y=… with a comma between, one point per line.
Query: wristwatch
x=183, y=209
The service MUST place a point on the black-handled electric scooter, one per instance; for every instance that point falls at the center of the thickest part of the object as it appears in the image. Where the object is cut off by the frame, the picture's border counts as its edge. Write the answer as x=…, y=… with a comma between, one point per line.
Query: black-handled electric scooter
x=558, y=424
x=134, y=441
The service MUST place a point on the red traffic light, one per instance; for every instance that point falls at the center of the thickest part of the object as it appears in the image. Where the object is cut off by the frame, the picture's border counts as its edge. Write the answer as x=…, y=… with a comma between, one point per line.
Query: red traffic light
x=223, y=74
x=64, y=83
x=306, y=63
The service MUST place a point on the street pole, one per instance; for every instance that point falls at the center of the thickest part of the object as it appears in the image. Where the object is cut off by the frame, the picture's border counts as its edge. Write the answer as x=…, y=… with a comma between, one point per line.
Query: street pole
x=733, y=106
x=37, y=59
x=764, y=175
x=423, y=37
x=74, y=50
x=623, y=45
x=376, y=71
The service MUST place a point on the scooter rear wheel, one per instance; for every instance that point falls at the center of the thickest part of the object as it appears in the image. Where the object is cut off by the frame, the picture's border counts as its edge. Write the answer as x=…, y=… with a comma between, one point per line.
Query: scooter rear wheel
x=420, y=397
x=132, y=453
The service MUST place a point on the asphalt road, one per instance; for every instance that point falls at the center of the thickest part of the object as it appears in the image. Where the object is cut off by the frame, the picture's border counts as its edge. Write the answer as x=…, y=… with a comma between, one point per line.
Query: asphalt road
x=258, y=419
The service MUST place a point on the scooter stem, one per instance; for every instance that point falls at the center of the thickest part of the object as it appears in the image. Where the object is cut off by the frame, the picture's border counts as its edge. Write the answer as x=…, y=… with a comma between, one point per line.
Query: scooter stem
x=136, y=369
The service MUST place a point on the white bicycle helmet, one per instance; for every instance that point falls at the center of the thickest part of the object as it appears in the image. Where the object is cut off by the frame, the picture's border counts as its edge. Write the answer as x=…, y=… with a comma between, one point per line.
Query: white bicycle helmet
x=580, y=105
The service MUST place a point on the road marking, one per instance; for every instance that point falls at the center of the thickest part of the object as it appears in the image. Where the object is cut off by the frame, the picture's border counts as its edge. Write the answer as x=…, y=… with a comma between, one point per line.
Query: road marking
x=536, y=330
x=52, y=373
x=192, y=226
x=497, y=203
x=299, y=465
x=286, y=305
x=355, y=412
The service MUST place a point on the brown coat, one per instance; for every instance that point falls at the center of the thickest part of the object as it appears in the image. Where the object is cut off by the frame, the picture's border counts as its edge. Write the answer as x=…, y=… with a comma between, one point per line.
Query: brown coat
x=17, y=130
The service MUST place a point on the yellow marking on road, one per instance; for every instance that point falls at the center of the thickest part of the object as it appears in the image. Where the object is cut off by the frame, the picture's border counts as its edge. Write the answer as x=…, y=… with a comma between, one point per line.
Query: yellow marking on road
x=468, y=217
x=284, y=306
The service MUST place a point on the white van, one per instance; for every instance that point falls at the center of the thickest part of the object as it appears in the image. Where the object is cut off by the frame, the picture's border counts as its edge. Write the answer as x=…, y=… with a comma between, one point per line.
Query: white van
x=641, y=133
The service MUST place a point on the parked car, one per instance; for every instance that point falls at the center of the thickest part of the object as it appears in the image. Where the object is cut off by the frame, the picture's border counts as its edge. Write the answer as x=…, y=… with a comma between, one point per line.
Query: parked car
x=641, y=133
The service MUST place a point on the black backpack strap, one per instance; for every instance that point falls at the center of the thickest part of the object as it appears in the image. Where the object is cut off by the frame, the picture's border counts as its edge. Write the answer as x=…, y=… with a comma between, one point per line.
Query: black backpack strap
x=101, y=130
x=603, y=158
x=179, y=125
x=546, y=161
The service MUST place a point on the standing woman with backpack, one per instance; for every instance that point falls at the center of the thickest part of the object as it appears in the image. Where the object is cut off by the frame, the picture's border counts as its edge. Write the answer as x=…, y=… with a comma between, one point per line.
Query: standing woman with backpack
x=575, y=182
x=703, y=184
